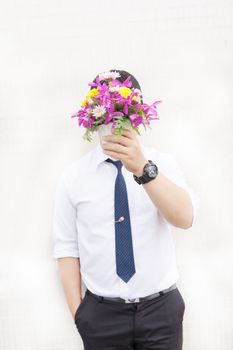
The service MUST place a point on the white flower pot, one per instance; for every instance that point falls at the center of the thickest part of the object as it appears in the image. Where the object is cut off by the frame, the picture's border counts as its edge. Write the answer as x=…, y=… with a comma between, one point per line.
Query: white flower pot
x=104, y=130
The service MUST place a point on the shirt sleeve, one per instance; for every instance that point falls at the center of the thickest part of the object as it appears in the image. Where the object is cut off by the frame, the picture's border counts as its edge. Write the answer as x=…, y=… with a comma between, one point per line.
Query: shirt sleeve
x=174, y=173
x=65, y=235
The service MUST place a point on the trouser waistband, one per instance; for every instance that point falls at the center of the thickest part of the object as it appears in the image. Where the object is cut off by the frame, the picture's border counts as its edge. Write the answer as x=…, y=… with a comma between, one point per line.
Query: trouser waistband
x=133, y=300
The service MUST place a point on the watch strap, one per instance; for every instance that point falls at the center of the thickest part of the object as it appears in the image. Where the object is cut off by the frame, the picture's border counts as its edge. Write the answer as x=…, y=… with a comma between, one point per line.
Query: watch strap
x=144, y=178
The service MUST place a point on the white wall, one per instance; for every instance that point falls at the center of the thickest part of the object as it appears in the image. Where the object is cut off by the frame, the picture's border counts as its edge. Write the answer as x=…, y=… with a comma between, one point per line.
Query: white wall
x=181, y=52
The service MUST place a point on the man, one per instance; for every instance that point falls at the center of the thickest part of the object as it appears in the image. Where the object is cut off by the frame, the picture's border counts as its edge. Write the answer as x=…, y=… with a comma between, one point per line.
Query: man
x=113, y=231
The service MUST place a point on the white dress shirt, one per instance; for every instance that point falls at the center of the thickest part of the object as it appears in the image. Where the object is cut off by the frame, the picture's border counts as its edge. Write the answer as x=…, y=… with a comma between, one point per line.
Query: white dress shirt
x=83, y=225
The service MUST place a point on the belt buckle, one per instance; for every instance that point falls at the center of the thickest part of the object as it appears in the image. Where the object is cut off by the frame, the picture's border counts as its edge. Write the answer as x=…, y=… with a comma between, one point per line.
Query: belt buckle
x=131, y=300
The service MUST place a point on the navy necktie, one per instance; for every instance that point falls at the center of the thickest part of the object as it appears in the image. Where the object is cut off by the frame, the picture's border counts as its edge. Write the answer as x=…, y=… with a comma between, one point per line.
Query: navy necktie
x=123, y=239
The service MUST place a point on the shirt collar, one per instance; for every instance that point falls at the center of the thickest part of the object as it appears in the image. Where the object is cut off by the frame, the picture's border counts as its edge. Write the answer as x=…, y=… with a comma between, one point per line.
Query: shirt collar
x=98, y=156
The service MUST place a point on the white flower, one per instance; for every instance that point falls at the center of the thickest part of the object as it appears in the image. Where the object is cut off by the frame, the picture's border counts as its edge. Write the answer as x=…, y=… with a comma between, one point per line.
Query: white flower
x=114, y=88
x=138, y=91
x=137, y=98
x=90, y=101
x=109, y=75
x=98, y=111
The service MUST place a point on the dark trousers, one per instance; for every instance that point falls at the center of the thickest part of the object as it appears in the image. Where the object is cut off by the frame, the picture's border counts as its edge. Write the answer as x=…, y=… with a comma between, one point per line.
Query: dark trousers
x=152, y=324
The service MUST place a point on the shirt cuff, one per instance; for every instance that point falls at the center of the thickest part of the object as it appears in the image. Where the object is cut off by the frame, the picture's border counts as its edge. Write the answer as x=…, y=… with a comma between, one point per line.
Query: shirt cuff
x=66, y=253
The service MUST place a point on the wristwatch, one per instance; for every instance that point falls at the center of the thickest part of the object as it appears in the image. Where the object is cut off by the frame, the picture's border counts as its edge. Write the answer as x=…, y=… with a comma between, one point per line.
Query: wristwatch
x=150, y=171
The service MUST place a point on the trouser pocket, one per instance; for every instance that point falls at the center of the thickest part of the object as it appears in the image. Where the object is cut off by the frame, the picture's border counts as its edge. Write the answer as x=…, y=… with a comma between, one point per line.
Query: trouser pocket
x=182, y=302
x=79, y=308
x=85, y=316
x=176, y=306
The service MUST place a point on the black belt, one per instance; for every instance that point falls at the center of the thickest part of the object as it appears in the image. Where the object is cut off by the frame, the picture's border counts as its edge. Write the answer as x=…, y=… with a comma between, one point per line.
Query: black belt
x=132, y=300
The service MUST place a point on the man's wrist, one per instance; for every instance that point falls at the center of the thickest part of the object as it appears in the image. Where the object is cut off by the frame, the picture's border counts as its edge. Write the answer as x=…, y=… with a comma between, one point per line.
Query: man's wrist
x=139, y=171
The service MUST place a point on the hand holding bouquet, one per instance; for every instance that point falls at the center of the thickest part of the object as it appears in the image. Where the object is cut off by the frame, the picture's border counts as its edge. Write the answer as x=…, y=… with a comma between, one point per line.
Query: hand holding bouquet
x=114, y=102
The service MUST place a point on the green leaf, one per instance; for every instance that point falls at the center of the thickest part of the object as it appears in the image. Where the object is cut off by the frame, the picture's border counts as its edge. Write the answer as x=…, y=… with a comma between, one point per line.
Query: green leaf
x=87, y=135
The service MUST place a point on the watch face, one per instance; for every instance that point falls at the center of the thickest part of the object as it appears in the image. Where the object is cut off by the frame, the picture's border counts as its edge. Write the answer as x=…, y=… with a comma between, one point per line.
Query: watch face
x=151, y=170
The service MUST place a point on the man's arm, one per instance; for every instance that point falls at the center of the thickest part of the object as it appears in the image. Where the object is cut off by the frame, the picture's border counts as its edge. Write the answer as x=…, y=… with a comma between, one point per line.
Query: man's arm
x=167, y=192
x=65, y=239
x=173, y=201
x=69, y=270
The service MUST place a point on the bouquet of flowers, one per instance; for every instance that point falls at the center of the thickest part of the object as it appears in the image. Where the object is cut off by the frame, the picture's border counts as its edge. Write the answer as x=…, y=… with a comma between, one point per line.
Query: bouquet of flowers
x=114, y=102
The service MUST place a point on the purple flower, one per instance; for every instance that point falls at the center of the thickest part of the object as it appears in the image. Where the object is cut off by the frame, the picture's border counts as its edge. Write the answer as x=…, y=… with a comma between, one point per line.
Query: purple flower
x=117, y=106
x=136, y=119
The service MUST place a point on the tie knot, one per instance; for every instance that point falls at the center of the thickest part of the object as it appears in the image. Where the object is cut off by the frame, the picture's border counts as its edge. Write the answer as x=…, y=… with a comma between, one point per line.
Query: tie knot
x=117, y=163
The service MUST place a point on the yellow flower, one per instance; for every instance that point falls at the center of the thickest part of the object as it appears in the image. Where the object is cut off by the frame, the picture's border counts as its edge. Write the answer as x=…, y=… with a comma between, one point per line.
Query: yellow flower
x=93, y=92
x=84, y=102
x=124, y=91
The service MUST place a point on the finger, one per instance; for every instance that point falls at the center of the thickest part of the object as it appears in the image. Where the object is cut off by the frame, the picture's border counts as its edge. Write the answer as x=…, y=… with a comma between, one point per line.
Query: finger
x=129, y=133
x=123, y=140
x=116, y=155
x=115, y=147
